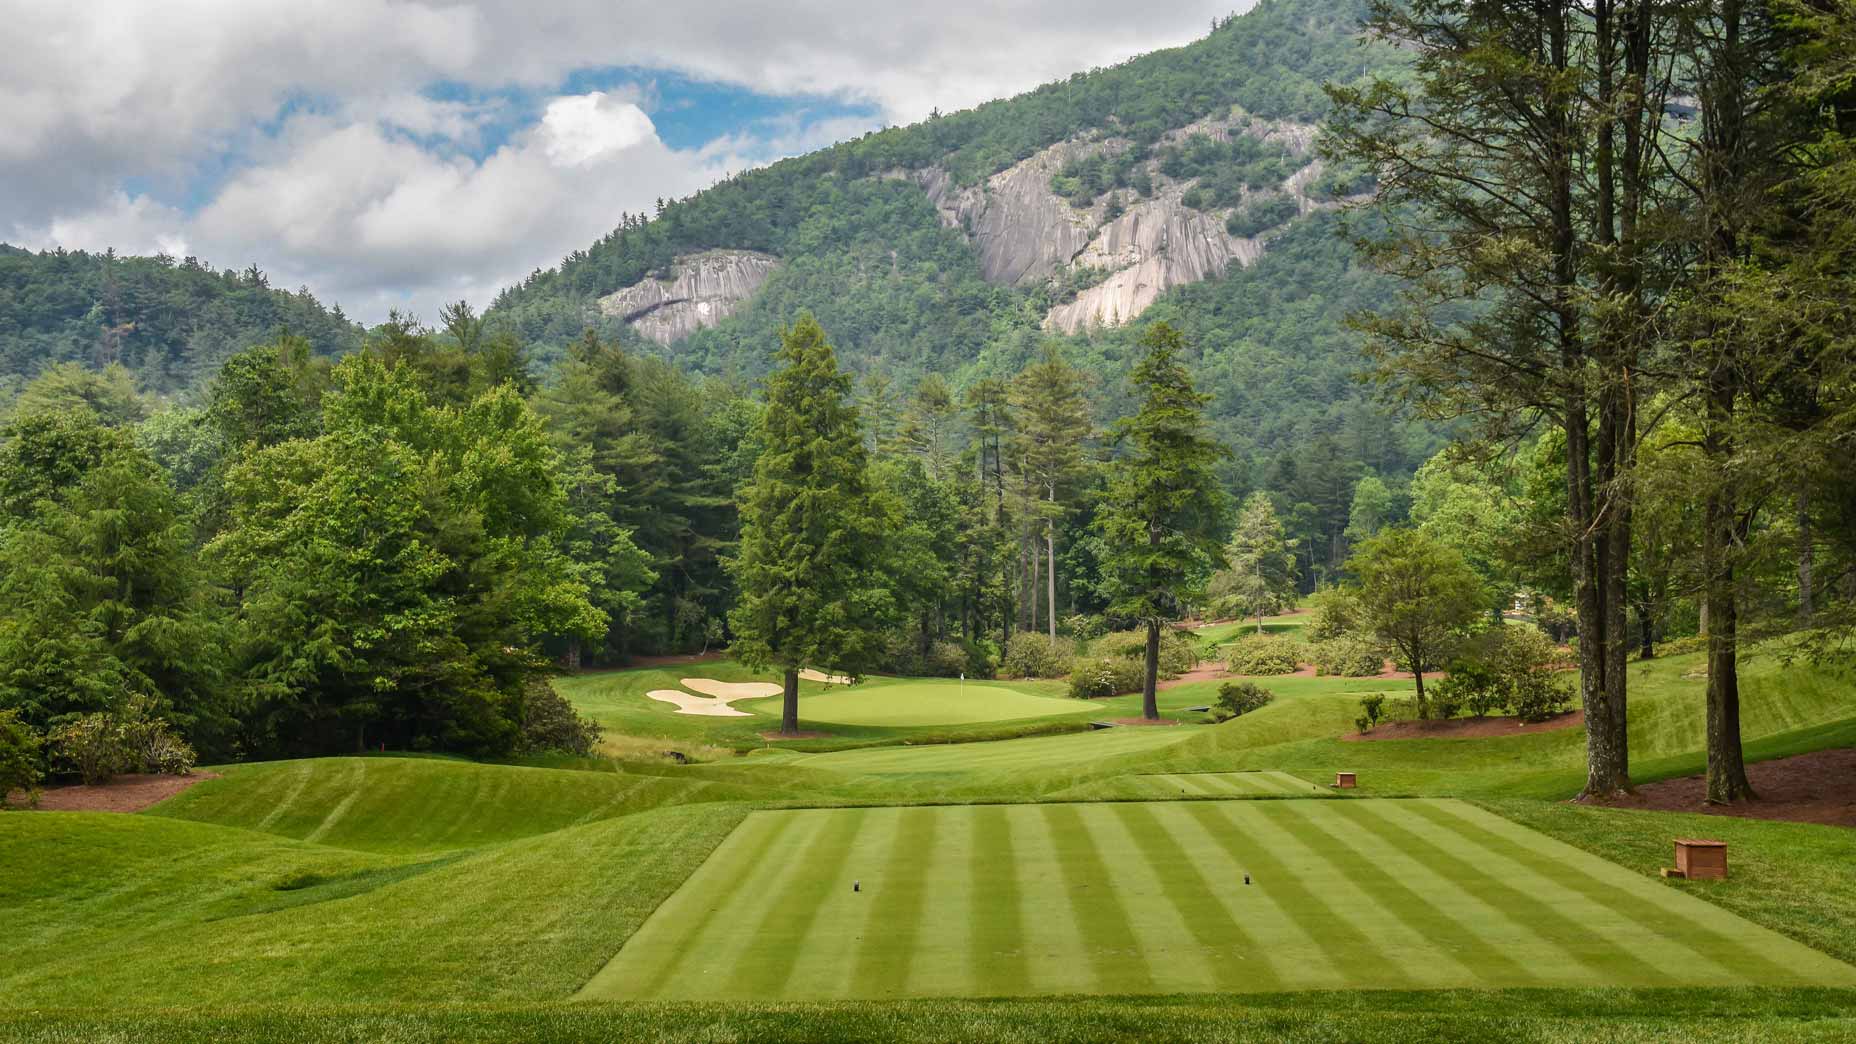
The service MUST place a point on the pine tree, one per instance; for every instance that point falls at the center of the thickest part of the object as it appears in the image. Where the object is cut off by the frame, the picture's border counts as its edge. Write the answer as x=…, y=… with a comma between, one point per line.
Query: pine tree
x=1164, y=509
x=1052, y=407
x=1259, y=575
x=809, y=565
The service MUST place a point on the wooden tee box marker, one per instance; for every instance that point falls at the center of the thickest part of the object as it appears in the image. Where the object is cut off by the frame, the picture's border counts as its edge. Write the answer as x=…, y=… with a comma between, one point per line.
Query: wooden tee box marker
x=1696, y=858
x=1344, y=781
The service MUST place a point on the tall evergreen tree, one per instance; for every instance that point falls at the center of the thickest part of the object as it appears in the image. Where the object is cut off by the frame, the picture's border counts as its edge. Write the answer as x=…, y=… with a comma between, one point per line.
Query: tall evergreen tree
x=1050, y=401
x=810, y=562
x=1259, y=575
x=1164, y=510
x=1518, y=168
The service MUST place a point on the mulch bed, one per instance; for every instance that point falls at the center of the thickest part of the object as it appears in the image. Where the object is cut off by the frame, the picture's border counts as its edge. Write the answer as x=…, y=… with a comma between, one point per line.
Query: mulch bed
x=1819, y=787
x=131, y=793
x=793, y=735
x=1467, y=728
x=1203, y=672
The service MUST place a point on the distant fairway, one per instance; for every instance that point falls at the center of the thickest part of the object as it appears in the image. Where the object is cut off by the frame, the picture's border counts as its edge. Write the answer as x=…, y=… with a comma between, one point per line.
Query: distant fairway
x=1016, y=755
x=925, y=702
x=1148, y=898
x=1224, y=784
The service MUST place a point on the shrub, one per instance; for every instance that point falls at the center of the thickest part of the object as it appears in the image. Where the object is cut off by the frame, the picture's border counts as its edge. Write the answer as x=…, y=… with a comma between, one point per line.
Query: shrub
x=1513, y=666
x=1445, y=705
x=944, y=659
x=1538, y=697
x=19, y=756
x=1240, y=698
x=92, y=746
x=1264, y=654
x=1030, y=655
x=1472, y=684
x=1092, y=676
x=150, y=743
x=550, y=723
x=152, y=746
x=1373, y=707
x=1349, y=656
x=1082, y=626
x=1177, y=653
x=1336, y=614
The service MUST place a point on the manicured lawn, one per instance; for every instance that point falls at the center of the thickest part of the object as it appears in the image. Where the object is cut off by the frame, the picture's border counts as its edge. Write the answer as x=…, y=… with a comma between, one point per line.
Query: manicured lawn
x=1556, y=1016
x=113, y=912
x=397, y=804
x=1019, y=756
x=1148, y=898
x=876, y=711
x=928, y=701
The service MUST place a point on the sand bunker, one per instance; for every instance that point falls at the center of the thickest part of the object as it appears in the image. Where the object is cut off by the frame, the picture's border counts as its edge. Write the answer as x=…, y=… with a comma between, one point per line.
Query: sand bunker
x=820, y=676
x=716, y=696
x=730, y=690
x=687, y=703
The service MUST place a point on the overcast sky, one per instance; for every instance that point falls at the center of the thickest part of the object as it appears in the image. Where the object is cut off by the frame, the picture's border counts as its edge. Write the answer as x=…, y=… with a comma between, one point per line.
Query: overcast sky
x=390, y=153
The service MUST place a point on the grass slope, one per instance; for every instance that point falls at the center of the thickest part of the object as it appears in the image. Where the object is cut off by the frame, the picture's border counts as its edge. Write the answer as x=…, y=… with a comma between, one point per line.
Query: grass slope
x=394, y=804
x=113, y=912
x=1147, y=897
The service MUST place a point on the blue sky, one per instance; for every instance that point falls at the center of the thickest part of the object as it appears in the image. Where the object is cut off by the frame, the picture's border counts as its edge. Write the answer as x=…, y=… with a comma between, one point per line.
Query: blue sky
x=403, y=153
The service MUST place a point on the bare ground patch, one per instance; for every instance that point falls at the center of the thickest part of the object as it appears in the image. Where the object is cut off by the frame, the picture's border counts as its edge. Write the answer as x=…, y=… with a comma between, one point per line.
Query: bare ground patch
x=1467, y=728
x=1819, y=787
x=130, y=793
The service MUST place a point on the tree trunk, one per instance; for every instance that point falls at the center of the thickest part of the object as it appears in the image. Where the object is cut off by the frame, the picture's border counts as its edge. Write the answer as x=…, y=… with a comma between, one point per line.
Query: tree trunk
x=789, y=703
x=1150, y=676
x=1031, y=585
x=572, y=659
x=1050, y=575
x=1727, y=780
x=1807, y=608
x=1646, y=637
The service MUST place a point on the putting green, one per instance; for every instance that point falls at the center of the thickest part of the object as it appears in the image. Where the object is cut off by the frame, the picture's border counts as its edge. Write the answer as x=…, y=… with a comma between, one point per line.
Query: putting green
x=935, y=702
x=1148, y=897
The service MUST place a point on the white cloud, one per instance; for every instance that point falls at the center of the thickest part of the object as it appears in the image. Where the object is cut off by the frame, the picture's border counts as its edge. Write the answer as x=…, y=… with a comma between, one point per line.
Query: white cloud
x=581, y=129
x=330, y=165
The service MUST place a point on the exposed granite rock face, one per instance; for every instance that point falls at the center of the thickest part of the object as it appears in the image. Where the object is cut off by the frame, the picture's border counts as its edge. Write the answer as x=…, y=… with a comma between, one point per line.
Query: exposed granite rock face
x=703, y=289
x=1023, y=231
x=1157, y=244
x=1026, y=234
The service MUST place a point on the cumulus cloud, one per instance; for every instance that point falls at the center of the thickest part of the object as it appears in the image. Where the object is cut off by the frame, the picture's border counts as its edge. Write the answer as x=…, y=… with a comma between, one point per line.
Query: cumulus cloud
x=307, y=136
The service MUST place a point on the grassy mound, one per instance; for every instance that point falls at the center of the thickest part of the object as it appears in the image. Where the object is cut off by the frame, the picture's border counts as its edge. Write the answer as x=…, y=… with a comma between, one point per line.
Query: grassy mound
x=191, y=914
x=391, y=804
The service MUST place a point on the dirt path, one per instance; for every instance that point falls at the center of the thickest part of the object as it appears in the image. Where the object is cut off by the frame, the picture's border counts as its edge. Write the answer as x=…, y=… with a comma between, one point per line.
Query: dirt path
x=1819, y=787
x=131, y=793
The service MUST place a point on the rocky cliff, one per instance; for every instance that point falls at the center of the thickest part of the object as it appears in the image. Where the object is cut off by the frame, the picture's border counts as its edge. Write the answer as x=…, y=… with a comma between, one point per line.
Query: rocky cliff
x=701, y=290
x=1132, y=248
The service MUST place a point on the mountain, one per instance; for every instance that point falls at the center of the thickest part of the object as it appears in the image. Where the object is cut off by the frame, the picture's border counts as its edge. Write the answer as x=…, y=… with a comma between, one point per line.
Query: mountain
x=170, y=322
x=1182, y=184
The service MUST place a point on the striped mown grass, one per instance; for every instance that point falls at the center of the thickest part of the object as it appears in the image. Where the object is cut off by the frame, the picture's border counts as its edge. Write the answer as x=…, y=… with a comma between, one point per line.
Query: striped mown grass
x=1148, y=898
x=1218, y=784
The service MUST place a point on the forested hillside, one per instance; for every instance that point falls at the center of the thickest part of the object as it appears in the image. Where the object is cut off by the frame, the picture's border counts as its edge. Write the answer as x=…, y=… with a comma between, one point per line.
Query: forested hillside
x=170, y=322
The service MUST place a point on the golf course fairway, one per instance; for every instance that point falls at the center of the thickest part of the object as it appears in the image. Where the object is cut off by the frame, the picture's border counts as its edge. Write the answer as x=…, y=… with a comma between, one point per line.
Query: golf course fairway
x=1150, y=898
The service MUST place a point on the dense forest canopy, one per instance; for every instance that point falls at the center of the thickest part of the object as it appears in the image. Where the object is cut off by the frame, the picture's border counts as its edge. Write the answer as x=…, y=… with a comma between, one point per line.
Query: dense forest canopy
x=169, y=322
